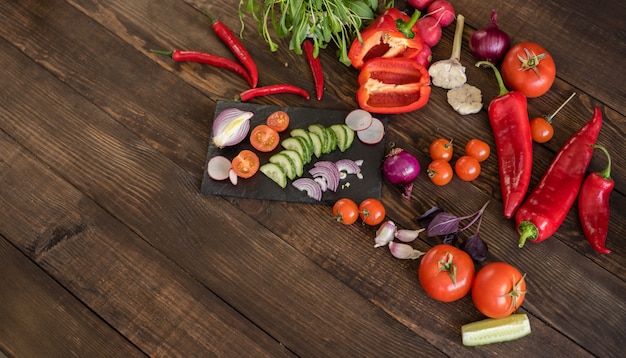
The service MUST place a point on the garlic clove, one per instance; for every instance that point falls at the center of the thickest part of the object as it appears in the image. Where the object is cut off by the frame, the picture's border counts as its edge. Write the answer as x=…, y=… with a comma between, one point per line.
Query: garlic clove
x=407, y=235
x=404, y=251
x=385, y=233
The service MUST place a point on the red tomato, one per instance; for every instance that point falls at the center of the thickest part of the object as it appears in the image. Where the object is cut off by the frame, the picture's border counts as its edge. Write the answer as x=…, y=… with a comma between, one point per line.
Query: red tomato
x=346, y=211
x=278, y=121
x=528, y=68
x=478, y=149
x=441, y=149
x=246, y=163
x=440, y=172
x=372, y=211
x=541, y=130
x=498, y=290
x=467, y=168
x=446, y=273
x=264, y=139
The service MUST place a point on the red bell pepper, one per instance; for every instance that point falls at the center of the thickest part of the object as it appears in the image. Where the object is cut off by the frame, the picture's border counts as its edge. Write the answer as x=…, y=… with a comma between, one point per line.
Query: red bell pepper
x=392, y=34
x=393, y=85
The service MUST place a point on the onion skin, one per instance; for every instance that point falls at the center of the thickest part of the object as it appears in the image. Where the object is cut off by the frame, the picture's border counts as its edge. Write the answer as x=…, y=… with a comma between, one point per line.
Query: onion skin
x=231, y=127
x=401, y=168
x=490, y=43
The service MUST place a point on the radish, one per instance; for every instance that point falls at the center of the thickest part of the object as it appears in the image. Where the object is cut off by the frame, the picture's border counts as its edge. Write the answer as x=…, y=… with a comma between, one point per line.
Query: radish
x=358, y=120
x=420, y=4
x=232, y=175
x=374, y=133
x=443, y=11
x=429, y=30
x=219, y=168
x=425, y=56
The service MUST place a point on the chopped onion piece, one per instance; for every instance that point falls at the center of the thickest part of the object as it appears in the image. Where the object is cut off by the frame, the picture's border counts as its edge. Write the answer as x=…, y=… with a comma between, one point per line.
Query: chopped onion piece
x=322, y=183
x=358, y=120
x=327, y=170
x=308, y=185
x=218, y=167
x=348, y=166
x=374, y=133
x=232, y=175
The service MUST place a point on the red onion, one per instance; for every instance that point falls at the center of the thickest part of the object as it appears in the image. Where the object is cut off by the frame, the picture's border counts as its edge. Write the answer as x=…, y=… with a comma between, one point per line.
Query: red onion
x=401, y=168
x=231, y=127
x=490, y=43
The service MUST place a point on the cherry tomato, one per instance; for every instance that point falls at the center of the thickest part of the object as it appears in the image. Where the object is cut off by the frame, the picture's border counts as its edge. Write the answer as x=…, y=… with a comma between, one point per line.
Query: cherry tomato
x=441, y=149
x=246, y=163
x=346, y=211
x=264, y=139
x=498, y=290
x=279, y=121
x=541, y=130
x=440, y=172
x=528, y=68
x=467, y=168
x=372, y=211
x=478, y=149
x=446, y=273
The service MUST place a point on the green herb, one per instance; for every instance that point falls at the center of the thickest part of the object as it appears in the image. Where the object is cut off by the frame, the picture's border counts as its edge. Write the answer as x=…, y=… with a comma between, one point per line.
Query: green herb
x=324, y=21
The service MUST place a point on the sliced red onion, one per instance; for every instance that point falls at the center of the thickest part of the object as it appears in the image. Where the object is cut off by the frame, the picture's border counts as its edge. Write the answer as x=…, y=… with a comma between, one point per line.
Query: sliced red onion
x=322, y=183
x=308, y=185
x=231, y=127
x=327, y=170
x=218, y=167
x=348, y=166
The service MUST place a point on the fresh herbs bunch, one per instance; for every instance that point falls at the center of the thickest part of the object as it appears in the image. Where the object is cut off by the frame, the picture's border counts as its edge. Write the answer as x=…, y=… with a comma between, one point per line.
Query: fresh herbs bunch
x=324, y=21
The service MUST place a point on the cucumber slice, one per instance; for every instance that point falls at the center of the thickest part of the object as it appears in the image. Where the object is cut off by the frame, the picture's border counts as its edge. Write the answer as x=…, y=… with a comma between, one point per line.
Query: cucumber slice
x=296, y=159
x=285, y=162
x=317, y=144
x=344, y=135
x=494, y=330
x=321, y=132
x=350, y=136
x=297, y=144
x=332, y=140
x=274, y=172
x=299, y=132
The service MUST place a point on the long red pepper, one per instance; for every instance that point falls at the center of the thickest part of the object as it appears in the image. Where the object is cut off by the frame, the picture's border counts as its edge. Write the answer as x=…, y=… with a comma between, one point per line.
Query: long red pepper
x=236, y=47
x=593, y=205
x=508, y=116
x=273, y=89
x=548, y=204
x=206, y=58
x=316, y=67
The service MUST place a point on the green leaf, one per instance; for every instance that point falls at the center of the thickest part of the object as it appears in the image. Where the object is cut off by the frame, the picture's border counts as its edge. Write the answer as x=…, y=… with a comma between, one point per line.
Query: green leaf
x=360, y=9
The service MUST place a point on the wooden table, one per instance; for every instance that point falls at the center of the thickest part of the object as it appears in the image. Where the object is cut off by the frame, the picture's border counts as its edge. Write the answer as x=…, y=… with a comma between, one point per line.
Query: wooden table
x=108, y=247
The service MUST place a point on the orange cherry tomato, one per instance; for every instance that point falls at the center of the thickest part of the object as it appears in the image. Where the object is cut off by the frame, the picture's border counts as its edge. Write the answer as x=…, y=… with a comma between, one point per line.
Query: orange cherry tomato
x=478, y=149
x=498, y=290
x=246, y=163
x=441, y=149
x=346, y=211
x=264, y=139
x=372, y=211
x=279, y=121
x=440, y=172
x=528, y=68
x=467, y=168
x=541, y=130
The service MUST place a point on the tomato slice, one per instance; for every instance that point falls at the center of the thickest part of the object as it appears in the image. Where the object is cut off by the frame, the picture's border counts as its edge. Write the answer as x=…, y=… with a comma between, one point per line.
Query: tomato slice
x=264, y=139
x=246, y=163
x=279, y=121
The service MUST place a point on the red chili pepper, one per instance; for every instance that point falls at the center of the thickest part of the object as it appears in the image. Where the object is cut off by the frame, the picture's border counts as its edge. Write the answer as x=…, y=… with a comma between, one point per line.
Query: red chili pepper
x=508, y=116
x=236, y=47
x=547, y=206
x=393, y=85
x=593, y=205
x=316, y=67
x=392, y=34
x=273, y=89
x=206, y=58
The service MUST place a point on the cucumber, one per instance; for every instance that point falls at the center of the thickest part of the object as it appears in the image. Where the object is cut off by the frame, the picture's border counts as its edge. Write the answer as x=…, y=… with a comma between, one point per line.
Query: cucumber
x=274, y=172
x=285, y=162
x=332, y=140
x=296, y=159
x=317, y=144
x=297, y=144
x=350, y=136
x=344, y=135
x=494, y=330
x=321, y=132
x=299, y=132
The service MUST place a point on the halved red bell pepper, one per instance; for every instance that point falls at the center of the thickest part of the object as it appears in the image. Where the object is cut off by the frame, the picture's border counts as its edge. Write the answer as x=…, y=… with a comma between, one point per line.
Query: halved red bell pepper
x=393, y=85
x=392, y=34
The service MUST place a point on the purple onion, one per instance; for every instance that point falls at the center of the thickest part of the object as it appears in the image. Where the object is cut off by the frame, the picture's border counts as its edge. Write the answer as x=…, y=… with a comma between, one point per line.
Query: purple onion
x=231, y=127
x=490, y=43
x=401, y=168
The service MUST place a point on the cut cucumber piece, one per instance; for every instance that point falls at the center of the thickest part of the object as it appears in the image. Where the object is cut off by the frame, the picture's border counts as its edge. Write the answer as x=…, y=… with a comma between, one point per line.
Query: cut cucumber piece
x=275, y=172
x=494, y=330
x=317, y=144
x=332, y=140
x=344, y=135
x=350, y=136
x=285, y=162
x=297, y=144
x=296, y=159
x=299, y=132
x=321, y=132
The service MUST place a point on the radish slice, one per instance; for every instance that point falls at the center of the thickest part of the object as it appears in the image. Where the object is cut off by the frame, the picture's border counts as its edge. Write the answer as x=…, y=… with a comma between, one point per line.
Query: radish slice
x=358, y=120
x=374, y=133
x=218, y=168
x=309, y=185
x=232, y=175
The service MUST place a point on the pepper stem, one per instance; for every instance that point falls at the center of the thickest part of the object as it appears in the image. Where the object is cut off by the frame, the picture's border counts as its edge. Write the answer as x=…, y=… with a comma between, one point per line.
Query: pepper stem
x=164, y=53
x=527, y=231
x=503, y=89
x=606, y=172
x=406, y=27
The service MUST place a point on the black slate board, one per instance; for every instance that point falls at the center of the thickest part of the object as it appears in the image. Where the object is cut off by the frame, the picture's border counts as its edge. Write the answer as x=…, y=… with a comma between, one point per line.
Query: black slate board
x=261, y=187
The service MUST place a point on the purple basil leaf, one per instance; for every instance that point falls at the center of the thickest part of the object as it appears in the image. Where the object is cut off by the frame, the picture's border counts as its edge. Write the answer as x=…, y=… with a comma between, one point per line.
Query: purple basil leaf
x=425, y=219
x=451, y=238
x=443, y=224
x=475, y=247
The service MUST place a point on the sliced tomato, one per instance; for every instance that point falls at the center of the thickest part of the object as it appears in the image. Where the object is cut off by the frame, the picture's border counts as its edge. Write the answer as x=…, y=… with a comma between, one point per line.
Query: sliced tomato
x=246, y=163
x=264, y=139
x=279, y=121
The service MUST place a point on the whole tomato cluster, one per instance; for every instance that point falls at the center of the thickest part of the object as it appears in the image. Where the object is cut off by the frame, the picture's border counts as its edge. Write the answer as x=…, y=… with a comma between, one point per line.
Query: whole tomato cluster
x=371, y=211
x=467, y=167
x=447, y=274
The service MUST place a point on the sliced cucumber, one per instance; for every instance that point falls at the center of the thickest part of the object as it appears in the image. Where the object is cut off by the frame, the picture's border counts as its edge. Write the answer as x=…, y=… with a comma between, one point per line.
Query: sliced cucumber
x=317, y=144
x=350, y=136
x=332, y=140
x=285, y=162
x=296, y=159
x=299, y=132
x=274, y=172
x=321, y=132
x=298, y=145
x=494, y=330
